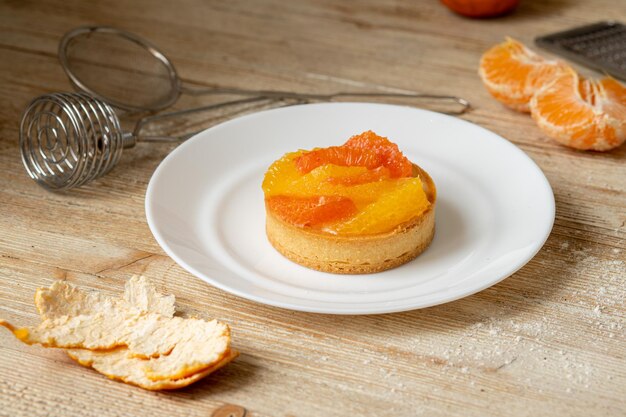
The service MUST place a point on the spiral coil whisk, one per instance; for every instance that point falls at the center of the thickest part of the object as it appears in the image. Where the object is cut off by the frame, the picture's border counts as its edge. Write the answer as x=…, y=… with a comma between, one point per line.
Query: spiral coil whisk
x=69, y=139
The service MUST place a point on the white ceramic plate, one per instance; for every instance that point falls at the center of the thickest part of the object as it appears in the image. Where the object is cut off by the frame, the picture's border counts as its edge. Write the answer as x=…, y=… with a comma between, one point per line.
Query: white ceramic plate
x=205, y=207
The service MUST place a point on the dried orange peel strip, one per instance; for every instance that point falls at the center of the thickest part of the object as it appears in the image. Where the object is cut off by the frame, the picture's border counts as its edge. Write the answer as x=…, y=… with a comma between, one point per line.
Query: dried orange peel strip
x=64, y=299
x=137, y=332
x=118, y=365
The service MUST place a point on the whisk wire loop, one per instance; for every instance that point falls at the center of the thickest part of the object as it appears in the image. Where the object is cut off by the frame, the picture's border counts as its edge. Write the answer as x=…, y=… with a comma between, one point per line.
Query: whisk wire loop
x=67, y=140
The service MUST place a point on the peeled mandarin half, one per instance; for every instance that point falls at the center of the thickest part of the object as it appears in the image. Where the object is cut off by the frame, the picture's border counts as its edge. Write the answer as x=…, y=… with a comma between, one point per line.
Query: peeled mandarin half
x=582, y=114
x=513, y=73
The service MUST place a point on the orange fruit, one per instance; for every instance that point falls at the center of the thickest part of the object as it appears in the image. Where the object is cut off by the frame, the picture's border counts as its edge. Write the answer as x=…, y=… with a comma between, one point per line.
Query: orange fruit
x=281, y=174
x=311, y=211
x=398, y=164
x=481, y=8
x=614, y=90
x=402, y=204
x=283, y=178
x=338, y=155
x=365, y=150
x=582, y=114
x=370, y=140
x=364, y=177
x=513, y=73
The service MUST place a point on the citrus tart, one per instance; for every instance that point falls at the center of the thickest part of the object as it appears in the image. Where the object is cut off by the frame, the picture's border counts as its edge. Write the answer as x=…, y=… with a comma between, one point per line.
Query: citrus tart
x=358, y=208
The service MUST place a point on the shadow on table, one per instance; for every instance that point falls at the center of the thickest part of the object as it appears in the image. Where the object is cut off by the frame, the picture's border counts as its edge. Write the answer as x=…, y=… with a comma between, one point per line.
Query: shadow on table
x=524, y=292
x=230, y=378
x=532, y=9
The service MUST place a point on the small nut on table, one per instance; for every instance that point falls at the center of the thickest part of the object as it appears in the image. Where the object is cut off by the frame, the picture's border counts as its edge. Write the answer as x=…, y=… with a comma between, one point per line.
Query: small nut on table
x=229, y=410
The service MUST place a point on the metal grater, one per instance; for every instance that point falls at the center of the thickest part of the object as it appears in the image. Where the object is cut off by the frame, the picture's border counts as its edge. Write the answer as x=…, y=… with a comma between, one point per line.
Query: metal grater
x=601, y=46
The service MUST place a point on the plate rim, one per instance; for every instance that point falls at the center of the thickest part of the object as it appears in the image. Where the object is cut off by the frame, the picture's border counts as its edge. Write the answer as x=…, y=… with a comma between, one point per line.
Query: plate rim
x=551, y=210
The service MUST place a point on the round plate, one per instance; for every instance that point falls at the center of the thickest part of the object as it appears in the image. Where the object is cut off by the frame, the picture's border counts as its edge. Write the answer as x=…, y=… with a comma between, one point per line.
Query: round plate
x=205, y=207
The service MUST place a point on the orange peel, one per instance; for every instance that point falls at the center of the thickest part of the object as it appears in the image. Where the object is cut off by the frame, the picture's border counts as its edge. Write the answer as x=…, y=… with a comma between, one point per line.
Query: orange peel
x=135, y=338
x=118, y=365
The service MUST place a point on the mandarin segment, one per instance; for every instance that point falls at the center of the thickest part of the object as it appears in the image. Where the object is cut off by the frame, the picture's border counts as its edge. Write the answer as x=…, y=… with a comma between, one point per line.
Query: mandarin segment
x=284, y=178
x=404, y=203
x=393, y=158
x=363, y=194
x=612, y=99
x=583, y=114
x=311, y=211
x=321, y=181
x=338, y=155
x=370, y=140
x=614, y=90
x=366, y=150
x=281, y=174
x=368, y=175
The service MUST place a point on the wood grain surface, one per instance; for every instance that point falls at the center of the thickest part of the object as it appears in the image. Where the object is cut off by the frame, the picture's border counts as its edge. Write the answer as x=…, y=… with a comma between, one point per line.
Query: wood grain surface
x=549, y=340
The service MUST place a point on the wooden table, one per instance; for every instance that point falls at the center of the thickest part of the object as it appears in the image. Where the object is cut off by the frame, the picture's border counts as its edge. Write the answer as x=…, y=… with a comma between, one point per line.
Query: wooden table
x=549, y=340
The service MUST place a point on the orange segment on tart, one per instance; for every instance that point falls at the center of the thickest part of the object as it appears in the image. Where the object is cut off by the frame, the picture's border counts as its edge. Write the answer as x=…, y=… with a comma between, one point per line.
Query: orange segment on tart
x=365, y=150
x=363, y=187
x=363, y=177
x=393, y=159
x=338, y=155
x=310, y=211
x=398, y=206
